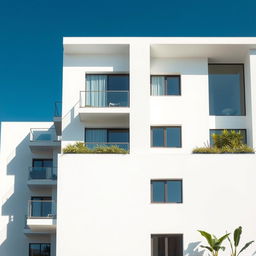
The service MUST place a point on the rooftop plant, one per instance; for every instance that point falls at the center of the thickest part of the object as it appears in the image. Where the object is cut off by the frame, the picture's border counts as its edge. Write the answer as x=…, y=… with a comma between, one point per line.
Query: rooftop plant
x=236, y=239
x=226, y=142
x=214, y=243
x=80, y=148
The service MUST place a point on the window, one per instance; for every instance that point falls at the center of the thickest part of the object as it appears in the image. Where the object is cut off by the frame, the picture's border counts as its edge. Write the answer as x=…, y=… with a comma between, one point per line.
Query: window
x=167, y=245
x=107, y=90
x=42, y=169
x=226, y=90
x=107, y=137
x=166, y=137
x=166, y=191
x=219, y=131
x=37, y=249
x=41, y=207
x=165, y=85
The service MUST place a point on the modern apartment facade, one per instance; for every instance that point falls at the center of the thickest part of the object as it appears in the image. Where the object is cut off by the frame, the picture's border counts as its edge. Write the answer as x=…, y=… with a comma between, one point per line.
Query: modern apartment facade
x=158, y=98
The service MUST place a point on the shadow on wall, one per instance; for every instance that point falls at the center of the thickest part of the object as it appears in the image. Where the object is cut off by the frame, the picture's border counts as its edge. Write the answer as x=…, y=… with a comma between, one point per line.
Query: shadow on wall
x=193, y=250
x=73, y=127
x=15, y=200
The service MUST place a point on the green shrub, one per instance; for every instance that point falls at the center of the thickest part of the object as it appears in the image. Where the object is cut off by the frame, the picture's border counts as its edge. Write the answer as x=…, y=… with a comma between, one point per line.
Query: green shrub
x=80, y=148
x=226, y=142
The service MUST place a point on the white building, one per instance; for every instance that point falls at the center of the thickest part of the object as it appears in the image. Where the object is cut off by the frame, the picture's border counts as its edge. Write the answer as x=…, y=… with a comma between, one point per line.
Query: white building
x=159, y=98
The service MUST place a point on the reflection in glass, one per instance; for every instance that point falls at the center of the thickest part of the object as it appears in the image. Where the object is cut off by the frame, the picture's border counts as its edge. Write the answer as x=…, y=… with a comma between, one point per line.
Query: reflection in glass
x=174, y=191
x=226, y=90
x=158, y=190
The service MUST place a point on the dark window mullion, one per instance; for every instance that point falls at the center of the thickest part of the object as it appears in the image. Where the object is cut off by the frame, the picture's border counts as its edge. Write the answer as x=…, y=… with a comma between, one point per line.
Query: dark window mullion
x=165, y=144
x=165, y=87
x=165, y=192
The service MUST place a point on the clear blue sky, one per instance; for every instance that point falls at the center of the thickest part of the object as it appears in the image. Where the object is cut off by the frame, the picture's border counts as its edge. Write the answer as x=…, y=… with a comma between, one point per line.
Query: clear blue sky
x=31, y=34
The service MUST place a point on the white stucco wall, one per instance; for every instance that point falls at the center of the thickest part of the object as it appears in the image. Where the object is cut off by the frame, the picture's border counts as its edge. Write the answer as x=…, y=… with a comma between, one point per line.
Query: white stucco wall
x=15, y=159
x=107, y=207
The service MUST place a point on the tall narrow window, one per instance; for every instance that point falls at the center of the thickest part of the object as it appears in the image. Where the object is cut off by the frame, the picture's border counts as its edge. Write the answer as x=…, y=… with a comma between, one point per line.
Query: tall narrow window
x=226, y=90
x=165, y=85
x=167, y=245
x=166, y=137
x=107, y=90
x=39, y=249
x=166, y=191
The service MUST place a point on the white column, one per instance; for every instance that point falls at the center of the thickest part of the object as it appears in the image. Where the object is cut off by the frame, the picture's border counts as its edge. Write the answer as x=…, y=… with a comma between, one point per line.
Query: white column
x=139, y=97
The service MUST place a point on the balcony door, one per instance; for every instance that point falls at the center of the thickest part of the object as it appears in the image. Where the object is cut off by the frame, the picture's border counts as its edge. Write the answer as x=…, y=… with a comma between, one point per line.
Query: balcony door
x=107, y=90
x=41, y=206
x=41, y=169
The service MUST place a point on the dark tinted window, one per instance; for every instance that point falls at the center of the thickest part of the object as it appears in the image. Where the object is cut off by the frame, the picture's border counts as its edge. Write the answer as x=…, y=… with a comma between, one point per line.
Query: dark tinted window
x=173, y=85
x=167, y=245
x=166, y=137
x=118, y=82
x=39, y=249
x=166, y=191
x=226, y=90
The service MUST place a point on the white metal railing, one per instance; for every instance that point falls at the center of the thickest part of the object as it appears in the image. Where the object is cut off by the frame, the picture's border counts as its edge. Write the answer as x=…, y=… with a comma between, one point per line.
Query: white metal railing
x=117, y=98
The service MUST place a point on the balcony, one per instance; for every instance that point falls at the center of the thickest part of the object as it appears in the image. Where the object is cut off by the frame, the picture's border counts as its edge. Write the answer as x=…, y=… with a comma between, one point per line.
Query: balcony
x=43, y=139
x=122, y=145
x=111, y=105
x=42, y=177
x=41, y=216
x=57, y=117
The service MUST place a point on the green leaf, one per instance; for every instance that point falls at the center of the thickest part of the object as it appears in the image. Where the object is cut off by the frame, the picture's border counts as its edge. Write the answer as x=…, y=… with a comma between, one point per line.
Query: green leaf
x=220, y=240
x=237, y=235
x=231, y=246
x=207, y=247
x=246, y=245
x=208, y=237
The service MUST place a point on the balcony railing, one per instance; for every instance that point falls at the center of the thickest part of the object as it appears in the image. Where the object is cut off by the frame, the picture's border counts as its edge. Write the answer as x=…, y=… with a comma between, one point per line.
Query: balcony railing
x=123, y=145
x=102, y=99
x=38, y=209
x=43, y=134
x=42, y=173
x=57, y=108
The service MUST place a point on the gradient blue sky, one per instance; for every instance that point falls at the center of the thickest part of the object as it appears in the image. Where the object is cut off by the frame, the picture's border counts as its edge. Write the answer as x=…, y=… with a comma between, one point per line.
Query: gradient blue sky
x=31, y=34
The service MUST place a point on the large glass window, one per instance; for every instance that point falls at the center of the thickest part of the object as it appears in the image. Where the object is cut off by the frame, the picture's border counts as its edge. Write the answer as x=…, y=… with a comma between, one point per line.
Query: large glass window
x=166, y=137
x=39, y=249
x=41, y=169
x=219, y=131
x=107, y=137
x=226, y=90
x=167, y=245
x=166, y=191
x=107, y=90
x=165, y=85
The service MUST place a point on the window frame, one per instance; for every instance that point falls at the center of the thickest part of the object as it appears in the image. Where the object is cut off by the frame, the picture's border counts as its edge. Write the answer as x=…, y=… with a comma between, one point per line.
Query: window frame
x=165, y=191
x=42, y=160
x=165, y=85
x=108, y=74
x=166, y=236
x=165, y=136
x=29, y=247
x=108, y=129
x=244, y=87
